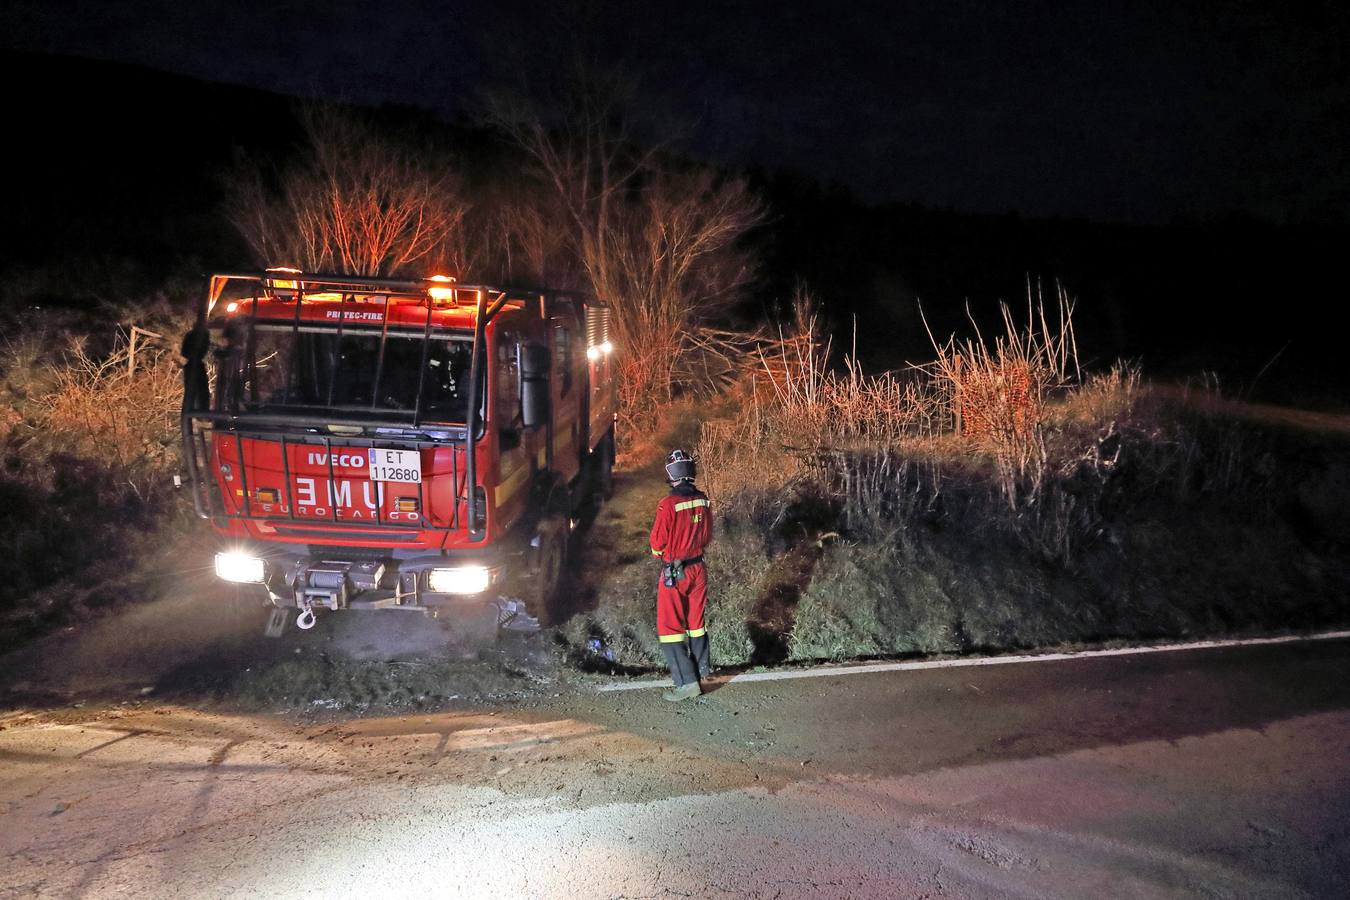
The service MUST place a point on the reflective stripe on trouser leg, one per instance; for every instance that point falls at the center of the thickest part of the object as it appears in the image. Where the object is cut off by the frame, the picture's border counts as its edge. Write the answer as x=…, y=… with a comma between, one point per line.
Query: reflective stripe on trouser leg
x=698, y=649
x=682, y=669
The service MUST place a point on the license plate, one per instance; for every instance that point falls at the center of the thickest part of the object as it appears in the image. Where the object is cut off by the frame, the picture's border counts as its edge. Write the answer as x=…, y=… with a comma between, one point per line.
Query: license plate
x=396, y=465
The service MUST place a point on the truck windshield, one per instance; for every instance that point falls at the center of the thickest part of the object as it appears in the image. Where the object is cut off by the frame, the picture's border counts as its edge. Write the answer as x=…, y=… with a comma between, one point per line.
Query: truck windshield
x=349, y=375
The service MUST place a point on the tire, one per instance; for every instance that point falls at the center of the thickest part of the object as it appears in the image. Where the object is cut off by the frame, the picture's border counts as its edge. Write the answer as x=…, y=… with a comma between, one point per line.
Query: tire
x=550, y=562
x=604, y=473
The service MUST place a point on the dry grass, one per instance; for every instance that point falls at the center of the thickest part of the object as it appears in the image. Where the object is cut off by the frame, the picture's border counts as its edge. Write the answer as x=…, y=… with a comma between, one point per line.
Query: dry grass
x=89, y=445
x=1011, y=411
x=997, y=390
x=120, y=407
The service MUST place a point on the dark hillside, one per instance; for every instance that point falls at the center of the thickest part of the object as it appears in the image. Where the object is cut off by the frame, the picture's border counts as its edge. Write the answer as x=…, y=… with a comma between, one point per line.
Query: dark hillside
x=117, y=170
x=118, y=162
x=1220, y=297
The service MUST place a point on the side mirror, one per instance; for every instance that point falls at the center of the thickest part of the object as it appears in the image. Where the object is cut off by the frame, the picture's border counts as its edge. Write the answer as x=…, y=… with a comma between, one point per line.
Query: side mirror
x=534, y=372
x=196, y=387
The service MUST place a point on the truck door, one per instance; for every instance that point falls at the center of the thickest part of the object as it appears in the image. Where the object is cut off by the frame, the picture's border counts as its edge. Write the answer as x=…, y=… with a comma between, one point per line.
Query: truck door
x=514, y=468
x=568, y=388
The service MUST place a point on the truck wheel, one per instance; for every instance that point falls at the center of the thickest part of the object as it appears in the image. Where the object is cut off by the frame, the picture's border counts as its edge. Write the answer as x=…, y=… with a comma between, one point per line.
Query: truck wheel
x=604, y=476
x=550, y=561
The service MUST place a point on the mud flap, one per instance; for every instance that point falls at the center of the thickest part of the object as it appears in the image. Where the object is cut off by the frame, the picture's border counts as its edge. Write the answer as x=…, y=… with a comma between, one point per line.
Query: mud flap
x=276, y=622
x=513, y=615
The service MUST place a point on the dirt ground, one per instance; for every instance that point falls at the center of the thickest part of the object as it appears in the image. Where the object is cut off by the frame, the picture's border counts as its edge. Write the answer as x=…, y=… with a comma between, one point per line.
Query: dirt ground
x=209, y=651
x=204, y=645
x=1208, y=774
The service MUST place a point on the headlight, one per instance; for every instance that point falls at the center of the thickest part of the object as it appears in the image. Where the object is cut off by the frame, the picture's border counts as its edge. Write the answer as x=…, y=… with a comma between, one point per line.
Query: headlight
x=460, y=580
x=241, y=568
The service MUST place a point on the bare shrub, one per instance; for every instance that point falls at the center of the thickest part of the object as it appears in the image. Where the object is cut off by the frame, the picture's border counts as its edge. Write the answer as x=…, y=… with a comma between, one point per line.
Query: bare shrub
x=353, y=200
x=88, y=446
x=117, y=408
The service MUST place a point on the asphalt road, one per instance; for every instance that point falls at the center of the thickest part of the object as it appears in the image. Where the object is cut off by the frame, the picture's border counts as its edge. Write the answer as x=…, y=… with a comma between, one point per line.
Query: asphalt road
x=1206, y=773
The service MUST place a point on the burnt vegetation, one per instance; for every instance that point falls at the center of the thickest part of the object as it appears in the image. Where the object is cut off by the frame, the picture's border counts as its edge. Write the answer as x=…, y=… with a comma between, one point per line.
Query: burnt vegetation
x=882, y=487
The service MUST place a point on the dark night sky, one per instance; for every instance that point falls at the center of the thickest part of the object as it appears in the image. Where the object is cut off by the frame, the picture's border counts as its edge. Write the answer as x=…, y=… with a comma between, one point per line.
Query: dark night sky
x=1144, y=112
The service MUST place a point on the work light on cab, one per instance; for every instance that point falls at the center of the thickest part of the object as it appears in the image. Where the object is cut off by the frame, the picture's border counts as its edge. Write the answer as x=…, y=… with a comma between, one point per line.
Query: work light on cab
x=442, y=291
x=240, y=568
x=599, y=350
x=460, y=580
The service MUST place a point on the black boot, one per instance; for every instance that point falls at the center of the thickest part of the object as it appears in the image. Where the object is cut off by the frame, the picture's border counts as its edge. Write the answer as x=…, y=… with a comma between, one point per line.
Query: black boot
x=698, y=649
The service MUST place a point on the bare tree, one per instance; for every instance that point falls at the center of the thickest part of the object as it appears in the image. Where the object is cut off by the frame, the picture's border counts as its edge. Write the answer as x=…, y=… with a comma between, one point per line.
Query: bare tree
x=353, y=200
x=660, y=241
x=522, y=236
x=673, y=264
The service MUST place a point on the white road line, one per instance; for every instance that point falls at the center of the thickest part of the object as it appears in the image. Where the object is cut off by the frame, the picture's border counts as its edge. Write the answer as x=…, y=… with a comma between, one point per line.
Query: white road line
x=832, y=671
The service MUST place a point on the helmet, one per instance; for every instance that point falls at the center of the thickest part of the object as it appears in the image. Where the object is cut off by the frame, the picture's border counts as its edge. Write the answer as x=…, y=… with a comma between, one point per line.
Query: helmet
x=680, y=467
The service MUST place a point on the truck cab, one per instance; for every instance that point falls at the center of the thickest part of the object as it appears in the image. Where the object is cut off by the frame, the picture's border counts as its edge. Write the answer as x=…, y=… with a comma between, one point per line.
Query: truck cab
x=376, y=443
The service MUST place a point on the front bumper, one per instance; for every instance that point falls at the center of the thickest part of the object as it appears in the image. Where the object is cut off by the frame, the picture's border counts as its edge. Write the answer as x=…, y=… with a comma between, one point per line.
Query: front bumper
x=364, y=580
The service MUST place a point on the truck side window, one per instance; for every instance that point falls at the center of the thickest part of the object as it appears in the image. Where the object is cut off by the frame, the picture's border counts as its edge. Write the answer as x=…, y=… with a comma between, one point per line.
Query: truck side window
x=562, y=344
x=506, y=401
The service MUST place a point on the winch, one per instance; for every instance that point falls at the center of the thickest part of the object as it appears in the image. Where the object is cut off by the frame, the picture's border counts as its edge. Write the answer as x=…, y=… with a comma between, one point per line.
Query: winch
x=328, y=582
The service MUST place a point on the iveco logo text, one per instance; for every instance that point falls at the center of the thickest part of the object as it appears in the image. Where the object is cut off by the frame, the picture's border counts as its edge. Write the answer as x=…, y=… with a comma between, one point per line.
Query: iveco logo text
x=351, y=460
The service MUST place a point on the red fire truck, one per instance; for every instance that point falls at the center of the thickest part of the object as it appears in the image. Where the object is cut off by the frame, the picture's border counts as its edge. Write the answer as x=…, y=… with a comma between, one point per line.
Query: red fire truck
x=368, y=443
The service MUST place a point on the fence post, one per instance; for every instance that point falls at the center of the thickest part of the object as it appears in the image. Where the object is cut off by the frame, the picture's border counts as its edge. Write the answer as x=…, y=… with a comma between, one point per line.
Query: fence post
x=137, y=331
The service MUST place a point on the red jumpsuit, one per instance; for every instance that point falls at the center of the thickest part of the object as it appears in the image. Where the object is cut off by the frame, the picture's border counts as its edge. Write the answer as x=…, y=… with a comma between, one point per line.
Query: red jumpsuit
x=682, y=529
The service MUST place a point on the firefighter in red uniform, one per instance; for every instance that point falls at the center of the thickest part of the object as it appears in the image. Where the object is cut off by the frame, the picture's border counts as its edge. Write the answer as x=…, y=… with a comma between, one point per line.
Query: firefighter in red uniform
x=682, y=529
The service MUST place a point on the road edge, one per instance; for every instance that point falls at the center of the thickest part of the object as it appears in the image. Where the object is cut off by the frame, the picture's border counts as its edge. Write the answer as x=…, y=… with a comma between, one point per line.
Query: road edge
x=840, y=669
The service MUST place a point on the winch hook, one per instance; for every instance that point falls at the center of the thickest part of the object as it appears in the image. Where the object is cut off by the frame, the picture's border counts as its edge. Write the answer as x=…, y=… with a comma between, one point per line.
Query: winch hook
x=305, y=621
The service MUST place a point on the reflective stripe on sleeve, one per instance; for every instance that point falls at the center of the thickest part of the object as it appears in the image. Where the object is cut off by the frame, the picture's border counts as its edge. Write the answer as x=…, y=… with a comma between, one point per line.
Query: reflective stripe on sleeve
x=655, y=552
x=690, y=504
x=697, y=632
x=671, y=638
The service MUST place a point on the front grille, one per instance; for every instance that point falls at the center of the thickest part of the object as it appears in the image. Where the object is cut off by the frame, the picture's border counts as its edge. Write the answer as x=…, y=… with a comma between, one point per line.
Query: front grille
x=392, y=535
x=347, y=554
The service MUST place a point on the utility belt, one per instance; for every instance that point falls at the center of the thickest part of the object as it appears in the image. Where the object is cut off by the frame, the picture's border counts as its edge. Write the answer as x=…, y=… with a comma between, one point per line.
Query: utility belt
x=672, y=573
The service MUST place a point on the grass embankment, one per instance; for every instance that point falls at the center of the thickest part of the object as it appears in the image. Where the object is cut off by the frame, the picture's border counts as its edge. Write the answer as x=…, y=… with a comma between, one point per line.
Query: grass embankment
x=614, y=602
x=854, y=521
